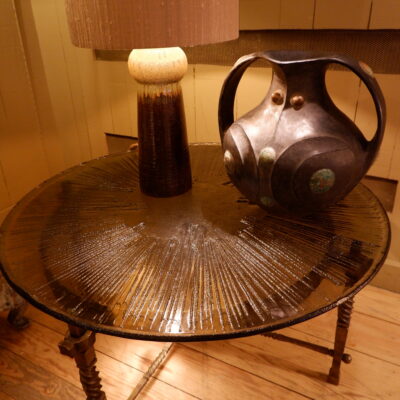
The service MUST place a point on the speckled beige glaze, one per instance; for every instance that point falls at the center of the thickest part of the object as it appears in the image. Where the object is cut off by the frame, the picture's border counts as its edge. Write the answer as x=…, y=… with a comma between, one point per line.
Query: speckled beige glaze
x=157, y=66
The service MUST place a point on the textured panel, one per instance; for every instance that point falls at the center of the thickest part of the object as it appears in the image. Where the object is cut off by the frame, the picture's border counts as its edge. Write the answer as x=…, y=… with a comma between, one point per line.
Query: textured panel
x=110, y=24
x=379, y=49
x=89, y=248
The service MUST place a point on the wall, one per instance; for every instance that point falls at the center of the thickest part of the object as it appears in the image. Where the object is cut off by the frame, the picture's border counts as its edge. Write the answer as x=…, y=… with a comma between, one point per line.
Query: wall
x=57, y=101
x=23, y=162
x=50, y=110
x=319, y=14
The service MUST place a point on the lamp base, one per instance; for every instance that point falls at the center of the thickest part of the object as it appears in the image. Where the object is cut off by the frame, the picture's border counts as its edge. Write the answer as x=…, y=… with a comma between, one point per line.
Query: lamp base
x=164, y=163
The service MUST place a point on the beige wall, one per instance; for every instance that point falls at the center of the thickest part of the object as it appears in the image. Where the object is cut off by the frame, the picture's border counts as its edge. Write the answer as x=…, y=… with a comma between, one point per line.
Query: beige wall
x=51, y=105
x=319, y=14
x=56, y=101
x=23, y=162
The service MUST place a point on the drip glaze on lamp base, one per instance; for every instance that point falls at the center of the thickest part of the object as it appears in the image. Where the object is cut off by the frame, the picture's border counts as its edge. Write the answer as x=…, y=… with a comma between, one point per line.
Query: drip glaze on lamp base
x=164, y=163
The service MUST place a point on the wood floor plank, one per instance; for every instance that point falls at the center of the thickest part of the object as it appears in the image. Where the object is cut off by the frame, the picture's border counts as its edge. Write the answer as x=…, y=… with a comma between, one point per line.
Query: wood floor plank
x=194, y=372
x=39, y=345
x=379, y=303
x=46, y=320
x=4, y=396
x=305, y=370
x=185, y=369
x=119, y=379
x=365, y=374
x=209, y=378
x=251, y=362
x=368, y=335
x=141, y=358
x=22, y=379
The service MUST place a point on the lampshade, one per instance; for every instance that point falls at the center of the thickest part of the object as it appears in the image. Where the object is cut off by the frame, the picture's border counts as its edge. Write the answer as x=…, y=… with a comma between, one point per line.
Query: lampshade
x=135, y=24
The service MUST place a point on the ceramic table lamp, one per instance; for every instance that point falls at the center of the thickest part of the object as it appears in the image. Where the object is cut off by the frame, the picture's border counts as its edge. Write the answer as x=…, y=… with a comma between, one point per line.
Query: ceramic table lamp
x=153, y=28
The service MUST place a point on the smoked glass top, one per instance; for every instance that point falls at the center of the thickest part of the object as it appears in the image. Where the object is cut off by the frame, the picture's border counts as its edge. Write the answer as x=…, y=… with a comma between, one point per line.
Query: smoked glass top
x=89, y=248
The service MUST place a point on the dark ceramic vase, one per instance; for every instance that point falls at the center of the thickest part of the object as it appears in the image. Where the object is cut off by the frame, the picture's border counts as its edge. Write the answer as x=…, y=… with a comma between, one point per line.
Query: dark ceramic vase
x=296, y=151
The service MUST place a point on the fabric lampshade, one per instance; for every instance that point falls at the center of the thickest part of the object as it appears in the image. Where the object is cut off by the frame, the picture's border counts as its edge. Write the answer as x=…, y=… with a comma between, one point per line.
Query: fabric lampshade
x=135, y=24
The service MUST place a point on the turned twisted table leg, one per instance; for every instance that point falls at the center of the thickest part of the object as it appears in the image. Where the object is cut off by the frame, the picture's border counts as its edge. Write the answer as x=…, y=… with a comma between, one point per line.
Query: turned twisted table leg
x=78, y=344
x=342, y=328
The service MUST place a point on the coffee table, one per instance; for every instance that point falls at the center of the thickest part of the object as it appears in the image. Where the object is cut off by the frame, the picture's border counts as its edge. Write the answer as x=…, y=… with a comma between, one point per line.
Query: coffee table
x=89, y=248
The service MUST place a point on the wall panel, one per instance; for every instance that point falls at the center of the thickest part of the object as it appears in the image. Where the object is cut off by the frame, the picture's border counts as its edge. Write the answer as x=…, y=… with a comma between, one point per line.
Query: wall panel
x=385, y=14
x=259, y=14
x=119, y=95
x=71, y=59
x=366, y=120
x=22, y=157
x=342, y=14
x=59, y=72
x=93, y=101
x=252, y=89
x=52, y=143
x=343, y=87
x=189, y=101
x=319, y=14
x=208, y=83
x=294, y=17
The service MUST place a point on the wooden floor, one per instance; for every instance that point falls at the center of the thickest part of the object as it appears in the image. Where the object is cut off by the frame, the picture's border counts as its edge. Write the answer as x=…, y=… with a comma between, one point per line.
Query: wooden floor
x=252, y=368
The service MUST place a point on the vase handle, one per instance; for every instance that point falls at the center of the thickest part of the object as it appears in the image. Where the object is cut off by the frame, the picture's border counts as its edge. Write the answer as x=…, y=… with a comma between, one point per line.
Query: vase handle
x=365, y=73
x=228, y=91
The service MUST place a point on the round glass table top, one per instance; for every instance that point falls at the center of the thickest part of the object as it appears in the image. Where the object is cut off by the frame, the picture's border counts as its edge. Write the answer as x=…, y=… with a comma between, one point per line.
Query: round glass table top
x=89, y=248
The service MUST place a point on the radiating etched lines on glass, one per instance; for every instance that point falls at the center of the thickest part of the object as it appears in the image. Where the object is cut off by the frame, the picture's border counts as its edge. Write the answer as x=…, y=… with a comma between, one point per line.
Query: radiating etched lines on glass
x=97, y=241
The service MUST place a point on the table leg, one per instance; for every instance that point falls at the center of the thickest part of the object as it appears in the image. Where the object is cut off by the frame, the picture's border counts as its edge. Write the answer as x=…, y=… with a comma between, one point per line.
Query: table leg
x=342, y=328
x=78, y=343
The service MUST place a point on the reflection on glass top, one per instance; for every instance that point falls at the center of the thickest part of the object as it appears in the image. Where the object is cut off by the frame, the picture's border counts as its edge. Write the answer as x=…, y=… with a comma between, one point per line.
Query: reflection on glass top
x=88, y=247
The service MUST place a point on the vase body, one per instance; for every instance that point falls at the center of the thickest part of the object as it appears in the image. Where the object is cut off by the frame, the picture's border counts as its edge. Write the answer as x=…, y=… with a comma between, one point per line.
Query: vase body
x=296, y=151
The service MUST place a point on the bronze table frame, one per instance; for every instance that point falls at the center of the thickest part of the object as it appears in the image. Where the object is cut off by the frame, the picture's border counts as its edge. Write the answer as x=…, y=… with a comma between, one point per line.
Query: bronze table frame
x=79, y=344
x=79, y=341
